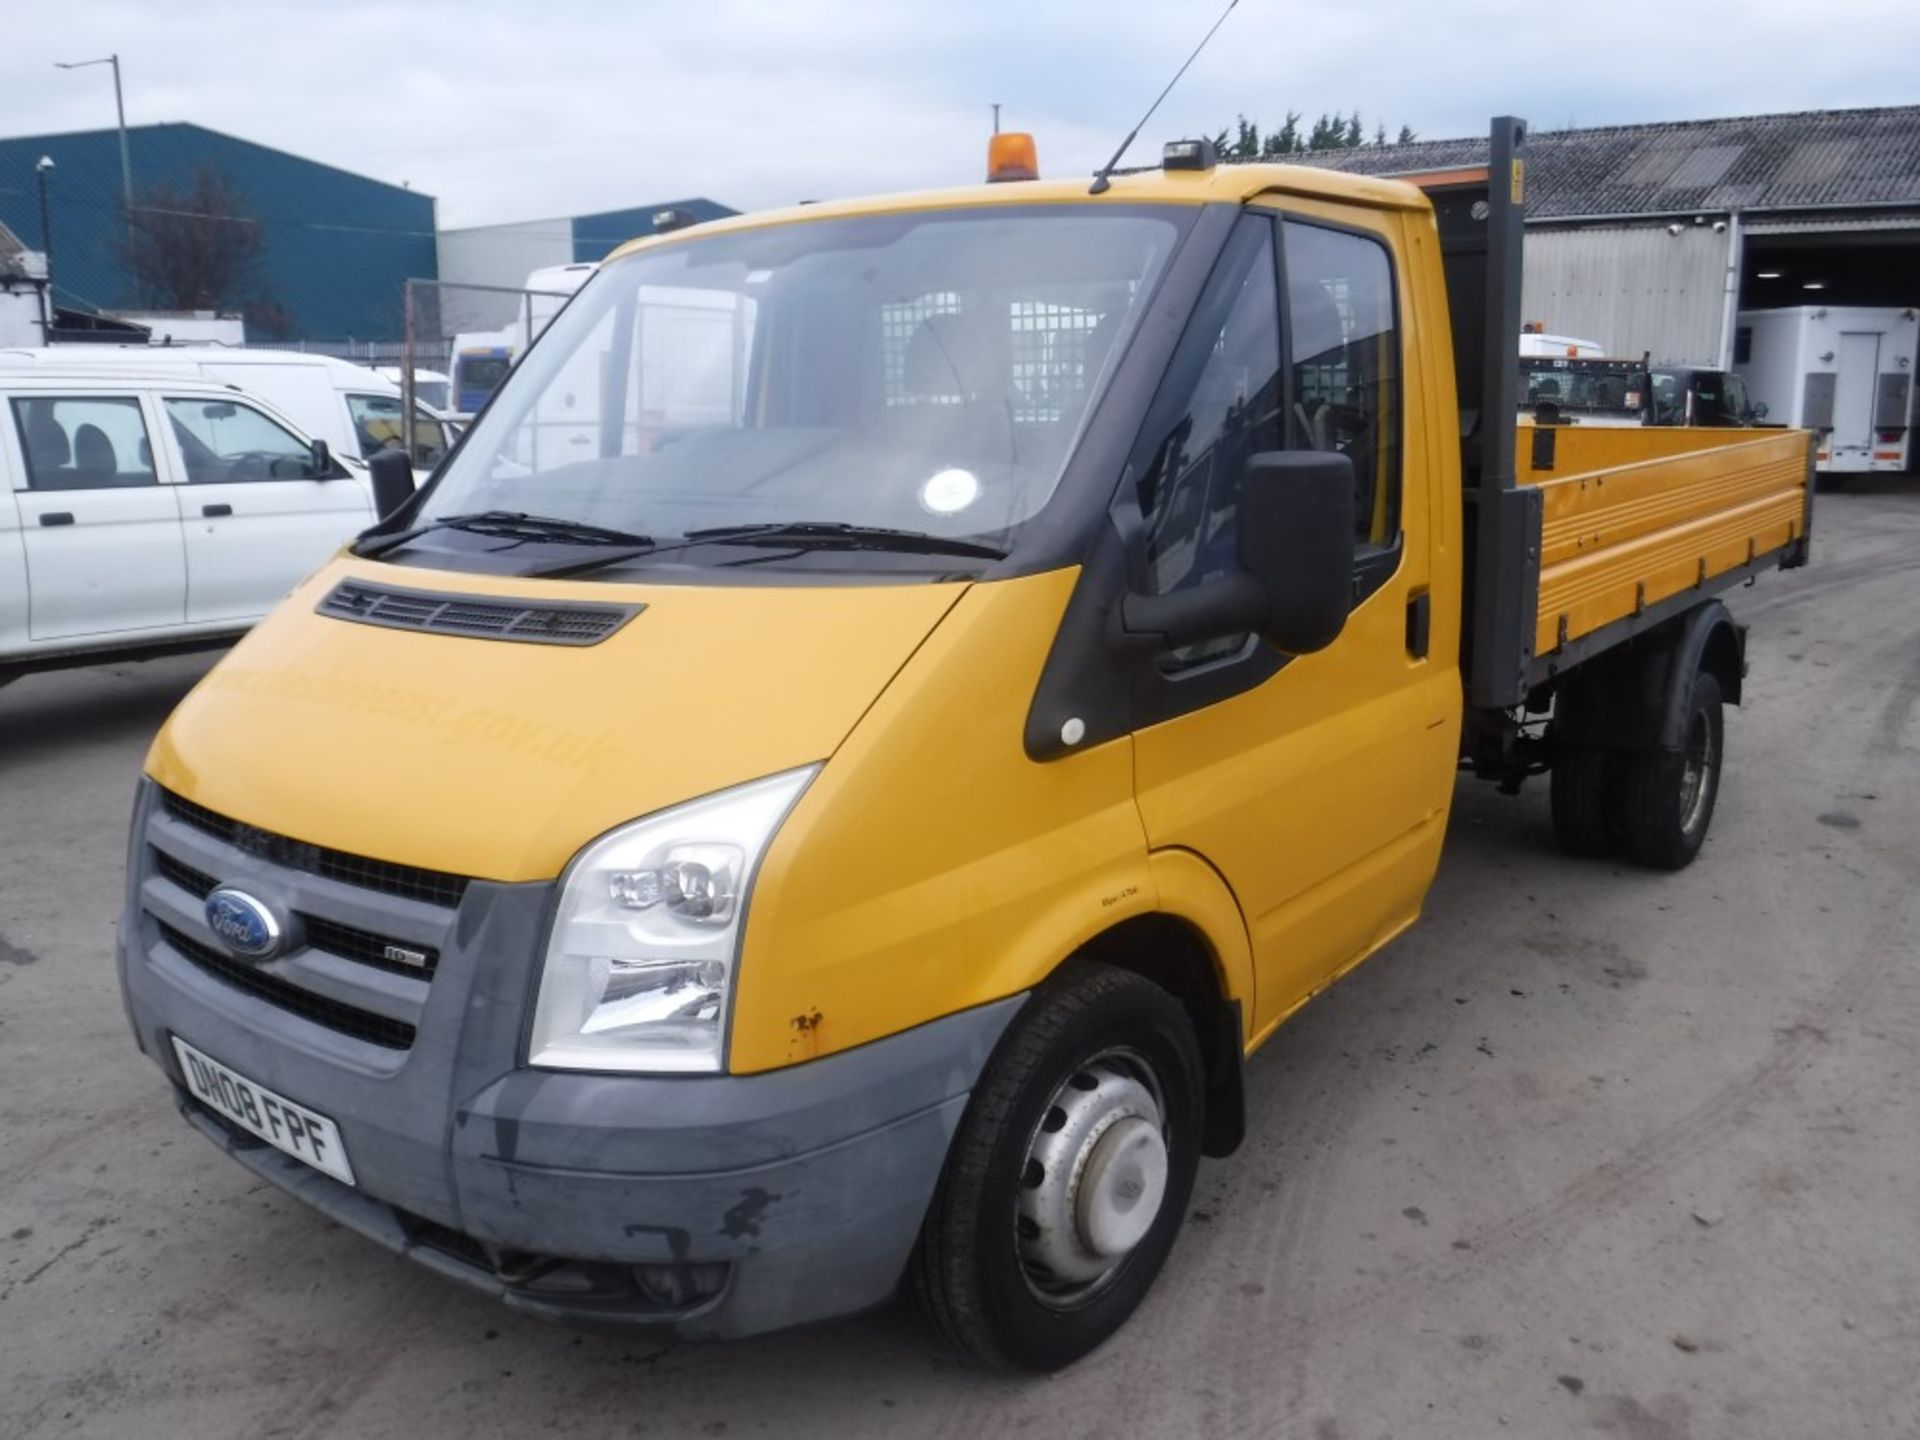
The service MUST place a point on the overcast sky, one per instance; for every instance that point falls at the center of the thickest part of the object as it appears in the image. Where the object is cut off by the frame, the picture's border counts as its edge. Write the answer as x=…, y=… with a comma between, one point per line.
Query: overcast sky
x=520, y=111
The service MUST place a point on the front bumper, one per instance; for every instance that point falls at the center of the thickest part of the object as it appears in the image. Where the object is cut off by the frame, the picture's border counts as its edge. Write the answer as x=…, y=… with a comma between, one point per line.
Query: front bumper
x=711, y=1206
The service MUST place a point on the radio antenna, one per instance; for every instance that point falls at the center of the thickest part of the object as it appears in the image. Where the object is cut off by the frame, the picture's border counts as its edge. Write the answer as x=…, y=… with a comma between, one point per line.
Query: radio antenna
x=1100, y=182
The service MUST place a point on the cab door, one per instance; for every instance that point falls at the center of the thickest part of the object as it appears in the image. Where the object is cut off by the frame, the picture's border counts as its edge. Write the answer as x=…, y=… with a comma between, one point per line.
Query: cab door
x=101, y=534
x=1316, y=785
x=256, y=515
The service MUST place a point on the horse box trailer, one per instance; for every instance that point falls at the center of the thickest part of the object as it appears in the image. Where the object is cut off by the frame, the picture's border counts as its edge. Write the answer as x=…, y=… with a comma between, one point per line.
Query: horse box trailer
x=1845, y=371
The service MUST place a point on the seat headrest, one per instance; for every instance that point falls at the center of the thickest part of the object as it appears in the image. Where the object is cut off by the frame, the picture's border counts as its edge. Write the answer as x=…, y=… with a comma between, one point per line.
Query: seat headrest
x=93, y=453
x=47, y=444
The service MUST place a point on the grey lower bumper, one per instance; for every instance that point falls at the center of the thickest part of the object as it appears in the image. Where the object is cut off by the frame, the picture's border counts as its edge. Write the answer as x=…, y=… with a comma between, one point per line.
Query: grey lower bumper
x=711, y=1207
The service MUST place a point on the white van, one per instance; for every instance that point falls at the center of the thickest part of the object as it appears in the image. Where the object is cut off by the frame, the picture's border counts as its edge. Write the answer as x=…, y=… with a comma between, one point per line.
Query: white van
x=354, y=409
x=142, y=513
x=1845, y=371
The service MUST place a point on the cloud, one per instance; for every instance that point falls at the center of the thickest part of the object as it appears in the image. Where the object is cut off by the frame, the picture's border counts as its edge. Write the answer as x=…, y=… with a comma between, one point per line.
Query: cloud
x=516, y=112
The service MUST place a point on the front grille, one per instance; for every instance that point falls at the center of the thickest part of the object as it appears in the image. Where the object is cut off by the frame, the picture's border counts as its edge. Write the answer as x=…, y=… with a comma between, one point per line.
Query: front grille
x=196, y=883
x=347, y=1019
x=544, y=622
x=435, y=1236
x=370, y=949
x=407, y=881
x=346, y=941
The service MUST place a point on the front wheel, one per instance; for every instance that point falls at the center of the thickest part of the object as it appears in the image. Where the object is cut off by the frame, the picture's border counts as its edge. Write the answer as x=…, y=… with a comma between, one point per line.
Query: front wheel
x=1666, y=803
x=1069, y=1178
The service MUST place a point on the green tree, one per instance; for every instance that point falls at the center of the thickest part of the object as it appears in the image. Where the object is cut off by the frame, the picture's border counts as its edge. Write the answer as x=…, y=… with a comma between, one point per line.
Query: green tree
x=1407, y=137
x=1352, y=136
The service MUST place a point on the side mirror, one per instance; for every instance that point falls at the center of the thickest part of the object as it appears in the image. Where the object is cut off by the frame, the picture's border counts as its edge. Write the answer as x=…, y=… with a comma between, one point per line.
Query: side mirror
x=1293, y=583
x=1297, y=542
x=392, y=474
x=1759, y=411
x=320, y=459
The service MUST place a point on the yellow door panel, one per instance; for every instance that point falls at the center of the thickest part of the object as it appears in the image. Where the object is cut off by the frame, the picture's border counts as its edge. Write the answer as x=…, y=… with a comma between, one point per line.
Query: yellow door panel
x=1321, y=793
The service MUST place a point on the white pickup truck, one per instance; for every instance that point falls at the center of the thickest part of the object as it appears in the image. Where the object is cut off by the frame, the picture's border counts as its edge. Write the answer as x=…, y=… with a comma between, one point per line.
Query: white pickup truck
x=151, y=514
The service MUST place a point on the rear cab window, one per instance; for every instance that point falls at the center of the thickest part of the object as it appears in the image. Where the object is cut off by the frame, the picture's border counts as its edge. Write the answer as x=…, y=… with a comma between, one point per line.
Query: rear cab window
x=83, y=442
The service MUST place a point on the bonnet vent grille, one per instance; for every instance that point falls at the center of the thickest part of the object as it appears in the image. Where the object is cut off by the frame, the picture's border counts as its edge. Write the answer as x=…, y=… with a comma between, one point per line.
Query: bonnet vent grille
x=543, y=622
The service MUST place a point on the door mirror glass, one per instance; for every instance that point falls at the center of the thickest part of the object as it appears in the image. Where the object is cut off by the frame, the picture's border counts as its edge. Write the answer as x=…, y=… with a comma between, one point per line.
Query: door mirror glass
x=392, y=474
x=1298, y=517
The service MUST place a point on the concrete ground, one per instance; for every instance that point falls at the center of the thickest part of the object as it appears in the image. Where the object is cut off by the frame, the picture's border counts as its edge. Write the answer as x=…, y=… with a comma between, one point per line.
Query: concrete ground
x=1591, y=1151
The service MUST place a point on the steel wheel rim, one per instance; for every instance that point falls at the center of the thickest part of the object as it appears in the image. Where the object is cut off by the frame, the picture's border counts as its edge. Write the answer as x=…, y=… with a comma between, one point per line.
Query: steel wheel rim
x=1696, y=773
x=1093, y=1178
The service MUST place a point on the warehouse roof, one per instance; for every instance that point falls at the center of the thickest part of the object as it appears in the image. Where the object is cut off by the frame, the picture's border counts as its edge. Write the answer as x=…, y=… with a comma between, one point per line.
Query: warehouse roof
x=1827, y=159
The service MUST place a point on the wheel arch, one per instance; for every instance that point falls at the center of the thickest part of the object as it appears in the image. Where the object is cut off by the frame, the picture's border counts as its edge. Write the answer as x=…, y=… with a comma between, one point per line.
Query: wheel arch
x=1194, y=946
x=1635, y=697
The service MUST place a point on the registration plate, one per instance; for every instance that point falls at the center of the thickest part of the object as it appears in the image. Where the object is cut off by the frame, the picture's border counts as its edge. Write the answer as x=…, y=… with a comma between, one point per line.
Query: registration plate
x=300, y=1132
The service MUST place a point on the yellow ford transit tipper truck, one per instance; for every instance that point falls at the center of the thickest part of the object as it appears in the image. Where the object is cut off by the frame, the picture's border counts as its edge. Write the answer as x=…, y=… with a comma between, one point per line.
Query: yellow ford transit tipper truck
x=889, y=706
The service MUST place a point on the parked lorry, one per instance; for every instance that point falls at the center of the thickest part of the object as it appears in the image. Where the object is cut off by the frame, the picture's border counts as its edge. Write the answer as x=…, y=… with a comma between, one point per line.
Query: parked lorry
x=852, y=828
x=1844, y=372
x=1700, y=395
x=1586, y=390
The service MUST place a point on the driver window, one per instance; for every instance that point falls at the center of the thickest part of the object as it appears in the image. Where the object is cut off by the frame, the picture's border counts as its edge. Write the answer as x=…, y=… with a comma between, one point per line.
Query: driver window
x=1346, y=367
x=1227, y=410
x=225, y=442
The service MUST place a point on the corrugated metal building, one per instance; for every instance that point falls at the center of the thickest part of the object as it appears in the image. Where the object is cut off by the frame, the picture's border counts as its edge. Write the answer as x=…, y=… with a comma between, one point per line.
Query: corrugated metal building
x=336, y=248
x=502, y=256
x=1652, y=237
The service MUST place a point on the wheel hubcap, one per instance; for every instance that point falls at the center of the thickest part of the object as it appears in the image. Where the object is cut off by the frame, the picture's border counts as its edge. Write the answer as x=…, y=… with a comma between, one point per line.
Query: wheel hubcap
x=1695, y=775
x=1094, y=1179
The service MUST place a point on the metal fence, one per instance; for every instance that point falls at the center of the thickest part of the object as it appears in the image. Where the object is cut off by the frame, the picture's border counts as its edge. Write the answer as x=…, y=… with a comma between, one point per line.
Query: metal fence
x=473, y=334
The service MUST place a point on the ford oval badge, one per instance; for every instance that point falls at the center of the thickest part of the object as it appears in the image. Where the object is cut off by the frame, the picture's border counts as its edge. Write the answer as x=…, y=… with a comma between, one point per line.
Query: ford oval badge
x=244, y=925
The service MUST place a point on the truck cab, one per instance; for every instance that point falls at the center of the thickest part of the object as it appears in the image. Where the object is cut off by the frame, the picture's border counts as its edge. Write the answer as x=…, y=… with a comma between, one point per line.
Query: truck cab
x=887, y=708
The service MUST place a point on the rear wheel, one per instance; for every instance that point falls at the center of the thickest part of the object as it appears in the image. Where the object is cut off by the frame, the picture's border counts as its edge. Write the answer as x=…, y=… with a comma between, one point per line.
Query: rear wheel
x=1581, y=803
x=1667, y=797
x=1069, y=1178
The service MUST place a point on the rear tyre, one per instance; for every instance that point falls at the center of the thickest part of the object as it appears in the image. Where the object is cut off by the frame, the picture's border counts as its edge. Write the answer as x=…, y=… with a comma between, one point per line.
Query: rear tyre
x=1068, y=1180
x=1667, y=797
x=1580, y=798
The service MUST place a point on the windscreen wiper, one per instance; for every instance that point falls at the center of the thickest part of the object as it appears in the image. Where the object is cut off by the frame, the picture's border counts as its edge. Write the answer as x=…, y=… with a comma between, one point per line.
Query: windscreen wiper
x=512, y=525
x=831, y=534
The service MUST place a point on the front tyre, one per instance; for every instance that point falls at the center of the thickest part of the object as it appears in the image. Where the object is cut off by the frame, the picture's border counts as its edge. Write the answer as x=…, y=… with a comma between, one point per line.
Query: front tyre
x=1069, y=1178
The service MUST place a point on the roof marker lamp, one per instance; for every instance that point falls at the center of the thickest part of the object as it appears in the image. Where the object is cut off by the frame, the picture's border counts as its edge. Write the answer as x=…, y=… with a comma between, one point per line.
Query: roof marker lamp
x=1188, y=155
x=640, y=962
x=1011, y=156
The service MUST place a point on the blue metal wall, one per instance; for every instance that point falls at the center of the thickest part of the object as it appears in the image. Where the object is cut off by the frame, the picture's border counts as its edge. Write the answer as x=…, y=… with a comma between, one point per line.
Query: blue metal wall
x=595, y=235
x=337, y=246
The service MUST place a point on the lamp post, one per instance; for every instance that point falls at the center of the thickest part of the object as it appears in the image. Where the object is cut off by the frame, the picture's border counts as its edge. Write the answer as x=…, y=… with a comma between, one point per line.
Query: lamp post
x=120, y=108
x=40, y=172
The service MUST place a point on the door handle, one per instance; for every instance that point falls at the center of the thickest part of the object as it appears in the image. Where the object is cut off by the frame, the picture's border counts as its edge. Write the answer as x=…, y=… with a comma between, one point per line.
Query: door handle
x=57, y=517
x=213, y=511
x=1419, y=624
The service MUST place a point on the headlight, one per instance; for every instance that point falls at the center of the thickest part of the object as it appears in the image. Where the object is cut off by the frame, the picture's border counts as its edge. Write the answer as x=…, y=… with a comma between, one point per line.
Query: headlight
x=639, y=966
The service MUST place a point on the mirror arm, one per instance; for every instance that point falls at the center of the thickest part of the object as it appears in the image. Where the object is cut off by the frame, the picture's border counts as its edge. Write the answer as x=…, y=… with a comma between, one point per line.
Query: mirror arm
x=1234, y=604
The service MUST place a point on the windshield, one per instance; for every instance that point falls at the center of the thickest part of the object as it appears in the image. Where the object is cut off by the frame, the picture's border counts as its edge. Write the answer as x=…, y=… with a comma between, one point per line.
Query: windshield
x=926, y=371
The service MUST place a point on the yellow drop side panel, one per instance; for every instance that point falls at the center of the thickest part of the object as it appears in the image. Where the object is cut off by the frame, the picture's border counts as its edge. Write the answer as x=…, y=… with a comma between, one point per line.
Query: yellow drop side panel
x=1634, y=516
x=498, y=759
x=933, y=866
